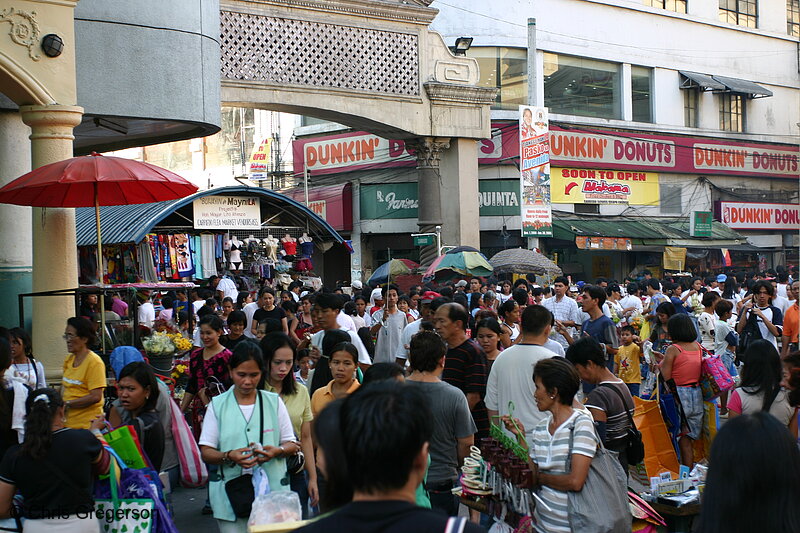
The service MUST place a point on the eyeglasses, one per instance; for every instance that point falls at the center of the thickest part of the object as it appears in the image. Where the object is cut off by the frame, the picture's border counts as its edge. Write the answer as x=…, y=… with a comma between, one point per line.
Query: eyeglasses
x=68, y=336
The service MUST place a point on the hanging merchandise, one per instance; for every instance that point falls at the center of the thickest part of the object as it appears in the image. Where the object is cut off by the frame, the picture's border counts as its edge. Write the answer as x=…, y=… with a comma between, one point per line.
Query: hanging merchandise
x=184, y=254
x=147, y=270
x=282, y=266
x=303, y=265
x=209, y=254
x=197, y=256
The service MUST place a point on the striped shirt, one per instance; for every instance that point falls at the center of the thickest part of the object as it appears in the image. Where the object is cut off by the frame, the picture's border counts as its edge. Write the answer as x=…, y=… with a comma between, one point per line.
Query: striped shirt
x=465, y=368
x=550, y=453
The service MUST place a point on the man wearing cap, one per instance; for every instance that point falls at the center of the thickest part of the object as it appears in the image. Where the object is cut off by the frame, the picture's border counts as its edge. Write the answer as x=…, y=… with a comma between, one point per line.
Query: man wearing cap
x=461, y=285
x=430, y=302
x=357, y=286
x=720, y=282
x=564, y=309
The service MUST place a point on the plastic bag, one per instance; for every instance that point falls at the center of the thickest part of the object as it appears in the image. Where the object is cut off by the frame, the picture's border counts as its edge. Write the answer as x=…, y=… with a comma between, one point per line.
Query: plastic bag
x=275, y=508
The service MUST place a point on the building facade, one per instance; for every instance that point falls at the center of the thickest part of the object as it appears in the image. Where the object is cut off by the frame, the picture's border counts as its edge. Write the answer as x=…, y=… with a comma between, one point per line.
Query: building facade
x=691, y=107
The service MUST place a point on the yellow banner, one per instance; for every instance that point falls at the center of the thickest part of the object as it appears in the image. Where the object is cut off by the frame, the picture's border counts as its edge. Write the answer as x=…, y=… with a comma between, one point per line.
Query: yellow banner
x=593, y=186
x=259, y=159
x=674, y=258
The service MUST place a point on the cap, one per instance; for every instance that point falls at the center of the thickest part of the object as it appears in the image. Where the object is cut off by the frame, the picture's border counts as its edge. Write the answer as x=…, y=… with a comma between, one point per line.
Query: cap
x=376, y=294
x=461, y=283
x=573, y=289
x=722, y=278
x=429, y=296
x=580, y=284
x=356, y=285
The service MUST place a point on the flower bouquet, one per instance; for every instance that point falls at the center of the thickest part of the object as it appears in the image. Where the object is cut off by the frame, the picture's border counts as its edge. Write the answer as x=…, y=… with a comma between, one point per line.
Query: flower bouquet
x=180, y=374
x=160, y=348
x=637, y=321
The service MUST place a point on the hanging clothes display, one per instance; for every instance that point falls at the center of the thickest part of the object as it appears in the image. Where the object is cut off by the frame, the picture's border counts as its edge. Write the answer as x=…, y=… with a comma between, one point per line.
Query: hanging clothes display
x=197, y=256
x=183, y=250
x=147, y=269
x=209, y=253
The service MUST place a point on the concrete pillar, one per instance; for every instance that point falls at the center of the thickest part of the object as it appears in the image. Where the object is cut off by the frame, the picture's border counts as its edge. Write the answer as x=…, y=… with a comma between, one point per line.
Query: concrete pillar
x=356, y=260
x=55, y=253
x=15, y=221
x=459, y=178
x=429, y=213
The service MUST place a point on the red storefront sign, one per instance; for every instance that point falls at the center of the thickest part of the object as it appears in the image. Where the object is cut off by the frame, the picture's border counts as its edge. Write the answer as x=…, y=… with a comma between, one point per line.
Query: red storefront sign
x=334, y=204
x=574, y=147
x=758, y=216
x=363, y=151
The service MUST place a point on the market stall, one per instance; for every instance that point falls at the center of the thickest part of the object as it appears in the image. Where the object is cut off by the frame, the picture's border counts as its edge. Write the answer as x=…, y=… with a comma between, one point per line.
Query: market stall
x=247, y=232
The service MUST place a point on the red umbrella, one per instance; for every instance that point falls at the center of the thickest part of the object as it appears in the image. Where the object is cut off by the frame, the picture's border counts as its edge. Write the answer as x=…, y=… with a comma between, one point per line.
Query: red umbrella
x=95, y=180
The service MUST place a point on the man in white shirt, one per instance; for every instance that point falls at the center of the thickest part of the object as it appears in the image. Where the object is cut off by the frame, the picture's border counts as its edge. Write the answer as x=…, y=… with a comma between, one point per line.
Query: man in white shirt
x=325, y=312
x=388, y=324
x=430, y=302
x=146, y=312
x=250, y=310
x=779, y=301
x=563, y=308
x=226, y=288
x=511, y=377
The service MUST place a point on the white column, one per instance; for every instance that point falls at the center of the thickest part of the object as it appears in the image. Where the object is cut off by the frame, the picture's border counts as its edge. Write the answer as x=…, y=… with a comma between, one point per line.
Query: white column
x=16, y=261
x=55, y=252
x=459, y=194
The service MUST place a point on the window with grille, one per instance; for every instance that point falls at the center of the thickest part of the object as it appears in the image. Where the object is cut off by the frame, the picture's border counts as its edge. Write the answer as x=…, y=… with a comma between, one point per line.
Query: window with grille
x=731, y=112
x=739, y=12
x=671, y=203
x=678, y=6
x=691, y=98
x=793, y=17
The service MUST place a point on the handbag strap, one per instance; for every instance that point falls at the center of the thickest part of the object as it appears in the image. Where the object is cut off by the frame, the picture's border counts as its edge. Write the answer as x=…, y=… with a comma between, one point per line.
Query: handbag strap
x=572, y=439
x=622, y=399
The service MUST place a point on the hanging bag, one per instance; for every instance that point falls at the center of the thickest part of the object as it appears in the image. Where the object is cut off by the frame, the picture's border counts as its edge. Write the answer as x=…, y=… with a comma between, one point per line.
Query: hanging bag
x=193, y=470
x=714, y=377
x=660, y=455
x=635, y=447
x=750, y=334
x=126, y=443
x=119, y=515
x=241, y=492
x=601, y=506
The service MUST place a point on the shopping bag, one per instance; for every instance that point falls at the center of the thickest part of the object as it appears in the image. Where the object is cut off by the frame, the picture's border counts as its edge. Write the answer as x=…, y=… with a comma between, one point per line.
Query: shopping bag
x=702, y=446
x=139, y=485
x=659, y=453
x=644, y=332
x=126, y=443
x=193, y=470
x=714, y=377
x=129, y=515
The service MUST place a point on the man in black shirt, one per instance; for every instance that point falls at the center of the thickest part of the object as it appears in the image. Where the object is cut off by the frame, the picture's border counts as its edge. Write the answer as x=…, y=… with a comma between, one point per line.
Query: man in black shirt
x=385, y=428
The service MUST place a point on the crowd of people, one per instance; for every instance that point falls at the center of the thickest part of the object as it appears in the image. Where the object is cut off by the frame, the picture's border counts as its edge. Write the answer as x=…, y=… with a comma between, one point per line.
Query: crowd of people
x=366, y=401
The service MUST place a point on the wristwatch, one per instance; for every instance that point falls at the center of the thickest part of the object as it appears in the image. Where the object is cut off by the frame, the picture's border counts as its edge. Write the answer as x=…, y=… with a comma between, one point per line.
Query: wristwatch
x=226, y=459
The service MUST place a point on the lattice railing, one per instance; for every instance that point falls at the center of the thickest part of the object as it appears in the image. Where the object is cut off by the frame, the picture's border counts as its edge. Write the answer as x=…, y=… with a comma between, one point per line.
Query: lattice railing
x=299, y=52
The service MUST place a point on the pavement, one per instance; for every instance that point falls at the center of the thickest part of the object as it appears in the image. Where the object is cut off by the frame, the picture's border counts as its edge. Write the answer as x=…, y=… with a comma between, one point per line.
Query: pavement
x=188, y=504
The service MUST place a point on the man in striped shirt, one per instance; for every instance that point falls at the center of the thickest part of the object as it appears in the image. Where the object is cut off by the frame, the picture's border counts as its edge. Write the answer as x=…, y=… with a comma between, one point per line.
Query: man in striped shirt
x=465, y=362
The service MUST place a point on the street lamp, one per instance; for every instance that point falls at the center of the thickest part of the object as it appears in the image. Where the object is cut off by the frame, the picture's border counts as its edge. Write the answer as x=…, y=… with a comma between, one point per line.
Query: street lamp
x=461, y=46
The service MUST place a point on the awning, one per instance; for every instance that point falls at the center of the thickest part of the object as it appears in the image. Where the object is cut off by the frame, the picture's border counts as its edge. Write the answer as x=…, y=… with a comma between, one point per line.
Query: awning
x=735, y=85
x=652, y=231
x=695, y=80
x=130, y=223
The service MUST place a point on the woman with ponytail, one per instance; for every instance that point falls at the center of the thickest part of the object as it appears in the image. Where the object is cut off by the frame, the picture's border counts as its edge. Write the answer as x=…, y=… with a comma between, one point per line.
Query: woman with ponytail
x=53, y=469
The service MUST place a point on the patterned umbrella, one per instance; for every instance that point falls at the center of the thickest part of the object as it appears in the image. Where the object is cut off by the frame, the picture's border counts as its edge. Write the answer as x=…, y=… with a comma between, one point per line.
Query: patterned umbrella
x=387, y=271
x=453, y=264
x=521, y=261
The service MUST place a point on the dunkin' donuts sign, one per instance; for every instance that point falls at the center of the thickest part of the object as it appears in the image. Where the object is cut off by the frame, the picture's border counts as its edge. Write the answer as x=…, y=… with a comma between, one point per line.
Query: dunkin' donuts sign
x=746, y=215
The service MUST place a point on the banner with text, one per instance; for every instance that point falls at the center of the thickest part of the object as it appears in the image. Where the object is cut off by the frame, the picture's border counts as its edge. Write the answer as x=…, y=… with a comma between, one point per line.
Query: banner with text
x=227, y=212
x=590, y=186
x=400, y=200
x=534, y=150
x=258, y=166
x=364, y=151
x=749, y=215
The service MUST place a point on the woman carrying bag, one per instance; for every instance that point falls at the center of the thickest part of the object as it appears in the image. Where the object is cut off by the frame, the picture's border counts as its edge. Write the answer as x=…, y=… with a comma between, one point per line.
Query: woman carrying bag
x=683, y=364
x=565, y=450
x=54, y=470
x=245, y=429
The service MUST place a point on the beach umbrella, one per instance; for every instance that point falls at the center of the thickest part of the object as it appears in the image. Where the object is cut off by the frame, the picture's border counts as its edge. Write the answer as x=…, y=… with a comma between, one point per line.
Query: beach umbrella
x=522, y=261
x=92, y=181
x=463, y=263
x=387, y=271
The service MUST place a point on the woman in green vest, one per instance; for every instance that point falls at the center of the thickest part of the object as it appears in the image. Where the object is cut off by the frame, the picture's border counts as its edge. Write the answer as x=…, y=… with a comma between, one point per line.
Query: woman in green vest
x=245, y=428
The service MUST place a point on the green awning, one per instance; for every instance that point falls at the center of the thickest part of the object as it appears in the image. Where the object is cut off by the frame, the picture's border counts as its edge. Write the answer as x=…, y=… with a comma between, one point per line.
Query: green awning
x=654, y=231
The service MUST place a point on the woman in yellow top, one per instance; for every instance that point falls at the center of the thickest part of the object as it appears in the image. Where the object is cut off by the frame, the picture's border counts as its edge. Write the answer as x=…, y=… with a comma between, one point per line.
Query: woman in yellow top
x=344, y=364
x=279, y=361
x=84, y=376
